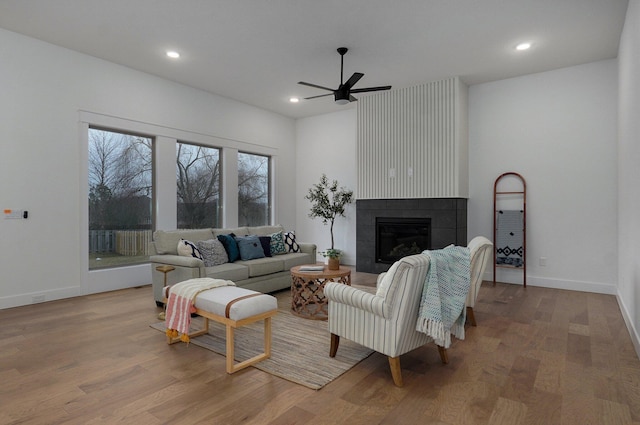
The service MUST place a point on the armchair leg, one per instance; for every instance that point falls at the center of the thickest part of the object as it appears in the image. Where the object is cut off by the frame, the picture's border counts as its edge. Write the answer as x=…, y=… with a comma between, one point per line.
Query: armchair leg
x=443, y=354
x=396, y=372
x=335, y=341
x=471, y=318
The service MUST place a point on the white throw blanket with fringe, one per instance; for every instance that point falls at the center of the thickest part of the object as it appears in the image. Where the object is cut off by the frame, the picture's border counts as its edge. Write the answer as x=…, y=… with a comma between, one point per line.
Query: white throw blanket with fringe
x=442, y=306
x=181, y=302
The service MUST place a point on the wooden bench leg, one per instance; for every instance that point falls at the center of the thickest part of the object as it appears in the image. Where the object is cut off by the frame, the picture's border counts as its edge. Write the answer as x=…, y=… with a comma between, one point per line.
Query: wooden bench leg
x=267, y=337
x=231, y=365
x=231, y=326
x=230, y=348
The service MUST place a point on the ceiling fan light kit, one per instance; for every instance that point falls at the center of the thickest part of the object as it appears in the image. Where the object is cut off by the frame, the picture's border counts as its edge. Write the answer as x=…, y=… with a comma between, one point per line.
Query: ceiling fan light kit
x=342, y=94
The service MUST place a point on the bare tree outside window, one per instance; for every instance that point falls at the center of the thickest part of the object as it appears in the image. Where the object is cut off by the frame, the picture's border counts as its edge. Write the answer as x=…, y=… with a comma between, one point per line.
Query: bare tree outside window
x=198, y=182
x=120, y=198
x=254, y=200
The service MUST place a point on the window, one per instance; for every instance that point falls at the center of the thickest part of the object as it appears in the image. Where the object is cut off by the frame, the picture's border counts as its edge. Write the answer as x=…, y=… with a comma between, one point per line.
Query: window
x=120, y=198
x=254, y=200
x=198, y=183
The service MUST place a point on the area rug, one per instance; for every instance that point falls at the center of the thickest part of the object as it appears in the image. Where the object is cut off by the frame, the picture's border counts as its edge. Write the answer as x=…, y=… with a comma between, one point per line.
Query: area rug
x=299, y=347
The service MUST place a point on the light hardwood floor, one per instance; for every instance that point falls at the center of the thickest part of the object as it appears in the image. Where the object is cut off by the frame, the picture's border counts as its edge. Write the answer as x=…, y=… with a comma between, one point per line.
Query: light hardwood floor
x=538, y=356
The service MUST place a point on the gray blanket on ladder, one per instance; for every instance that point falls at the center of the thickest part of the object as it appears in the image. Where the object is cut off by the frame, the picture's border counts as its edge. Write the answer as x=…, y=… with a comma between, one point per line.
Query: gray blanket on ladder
x=509, y=237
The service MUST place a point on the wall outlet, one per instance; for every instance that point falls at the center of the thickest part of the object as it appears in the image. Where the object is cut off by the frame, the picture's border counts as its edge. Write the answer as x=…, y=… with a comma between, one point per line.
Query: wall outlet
x=543, y=261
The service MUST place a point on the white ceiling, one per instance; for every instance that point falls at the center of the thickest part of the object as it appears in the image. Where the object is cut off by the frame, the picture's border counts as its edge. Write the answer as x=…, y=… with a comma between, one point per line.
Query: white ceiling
x=256, y=51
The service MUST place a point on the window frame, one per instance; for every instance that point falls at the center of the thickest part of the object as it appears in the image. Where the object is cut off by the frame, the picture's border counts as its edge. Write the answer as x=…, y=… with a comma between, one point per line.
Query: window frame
x=152, y=194
x=164, y=190
x=269, y=178
x=219, y=209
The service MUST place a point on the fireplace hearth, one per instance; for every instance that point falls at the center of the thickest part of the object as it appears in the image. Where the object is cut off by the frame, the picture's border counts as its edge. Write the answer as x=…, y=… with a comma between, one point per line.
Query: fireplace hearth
x=447, y=218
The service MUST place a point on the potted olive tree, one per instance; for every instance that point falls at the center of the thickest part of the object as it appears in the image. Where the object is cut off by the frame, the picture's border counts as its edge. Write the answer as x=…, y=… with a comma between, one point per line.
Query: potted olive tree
x=328, y=202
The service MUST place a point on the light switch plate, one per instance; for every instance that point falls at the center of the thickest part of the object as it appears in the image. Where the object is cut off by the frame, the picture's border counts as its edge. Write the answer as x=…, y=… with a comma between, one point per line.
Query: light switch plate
x=11, y=214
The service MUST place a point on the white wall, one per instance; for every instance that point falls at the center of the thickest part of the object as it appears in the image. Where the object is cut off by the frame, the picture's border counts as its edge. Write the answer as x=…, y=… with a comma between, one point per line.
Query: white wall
x=44, y=88
x=629, y=171
x=558, y=130
x=327, y=144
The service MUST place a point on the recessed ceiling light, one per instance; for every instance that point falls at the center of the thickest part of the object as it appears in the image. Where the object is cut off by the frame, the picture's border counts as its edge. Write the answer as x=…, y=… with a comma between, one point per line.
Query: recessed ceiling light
x=294, y=100
x=523, y=46
x=173, y=54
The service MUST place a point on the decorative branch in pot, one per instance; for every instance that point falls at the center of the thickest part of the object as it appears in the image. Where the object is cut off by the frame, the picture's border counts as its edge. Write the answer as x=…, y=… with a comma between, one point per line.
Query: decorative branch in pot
x=328, y=202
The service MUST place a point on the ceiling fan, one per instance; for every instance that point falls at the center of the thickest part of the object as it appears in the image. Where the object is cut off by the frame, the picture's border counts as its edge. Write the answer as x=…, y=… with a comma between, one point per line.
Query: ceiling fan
x=342, y=94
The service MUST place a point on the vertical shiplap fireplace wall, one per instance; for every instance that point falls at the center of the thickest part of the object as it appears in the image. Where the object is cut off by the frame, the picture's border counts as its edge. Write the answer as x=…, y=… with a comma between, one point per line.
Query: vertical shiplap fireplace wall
x=412, y=146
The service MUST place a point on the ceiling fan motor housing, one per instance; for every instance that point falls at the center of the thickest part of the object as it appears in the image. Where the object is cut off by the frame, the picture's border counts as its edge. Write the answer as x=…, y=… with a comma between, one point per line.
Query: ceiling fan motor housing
x=341, y=95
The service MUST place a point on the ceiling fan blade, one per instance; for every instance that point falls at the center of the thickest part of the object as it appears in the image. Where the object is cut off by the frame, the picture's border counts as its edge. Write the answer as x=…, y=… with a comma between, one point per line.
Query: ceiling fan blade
x=314, y=85
x=352, y=99
x=320, y=95
x=354, y=79
x=371, y=89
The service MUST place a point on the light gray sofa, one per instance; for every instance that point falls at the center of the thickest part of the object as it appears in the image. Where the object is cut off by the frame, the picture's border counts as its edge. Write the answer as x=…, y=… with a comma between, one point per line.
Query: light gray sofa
x=262, y=274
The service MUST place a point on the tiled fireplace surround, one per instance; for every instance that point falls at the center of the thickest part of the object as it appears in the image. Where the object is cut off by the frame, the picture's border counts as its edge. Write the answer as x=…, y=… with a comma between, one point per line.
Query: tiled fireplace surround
x=448, y=224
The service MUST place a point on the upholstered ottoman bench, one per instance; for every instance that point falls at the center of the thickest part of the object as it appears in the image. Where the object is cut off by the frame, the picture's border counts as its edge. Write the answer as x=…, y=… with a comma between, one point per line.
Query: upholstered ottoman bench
x=234, y=307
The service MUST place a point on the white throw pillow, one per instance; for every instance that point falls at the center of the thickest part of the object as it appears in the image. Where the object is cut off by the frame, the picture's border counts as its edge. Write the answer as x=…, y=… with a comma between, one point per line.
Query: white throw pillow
x=290, y=242
x=188, y=249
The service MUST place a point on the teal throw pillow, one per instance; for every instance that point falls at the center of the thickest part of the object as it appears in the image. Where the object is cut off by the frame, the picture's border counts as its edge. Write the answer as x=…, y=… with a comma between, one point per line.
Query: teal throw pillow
x=231, y=246
x=277, y=244
x=250, y=247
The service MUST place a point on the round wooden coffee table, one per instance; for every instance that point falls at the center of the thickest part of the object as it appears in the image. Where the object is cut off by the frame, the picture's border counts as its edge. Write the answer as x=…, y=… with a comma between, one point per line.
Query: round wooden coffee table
x=307, y=290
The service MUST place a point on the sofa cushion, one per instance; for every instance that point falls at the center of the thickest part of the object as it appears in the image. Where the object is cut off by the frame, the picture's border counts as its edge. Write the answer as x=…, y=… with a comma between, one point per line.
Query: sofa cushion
x=249, y=247
x=265, y=230
x=277, y=244
x=264, y=266
x=187, y=248
x=240, y=231
x=166, y=241
x=290, y=242
x=231, y=246
x=213, y=252
x=296, y=259
x=229, y=271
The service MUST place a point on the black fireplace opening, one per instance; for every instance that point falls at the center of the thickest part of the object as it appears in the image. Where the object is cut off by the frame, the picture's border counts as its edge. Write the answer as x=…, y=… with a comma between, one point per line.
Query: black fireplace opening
x=397, y=237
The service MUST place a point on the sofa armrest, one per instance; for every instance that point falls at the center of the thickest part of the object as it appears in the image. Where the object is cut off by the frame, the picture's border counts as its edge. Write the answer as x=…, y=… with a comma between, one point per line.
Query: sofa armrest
x=308, y=248
x=348, y=295
x=177, y=260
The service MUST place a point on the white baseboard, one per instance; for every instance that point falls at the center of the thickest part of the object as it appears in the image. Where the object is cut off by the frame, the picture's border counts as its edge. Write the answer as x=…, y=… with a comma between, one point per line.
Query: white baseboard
x=105, y=280
x=633, y=332
x=573, y=285
x=569, y=285
x=39, y=297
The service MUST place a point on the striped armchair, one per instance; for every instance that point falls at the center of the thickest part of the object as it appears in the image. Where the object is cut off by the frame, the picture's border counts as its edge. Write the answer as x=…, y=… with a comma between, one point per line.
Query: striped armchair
x=481, y=251
x=384, y=321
